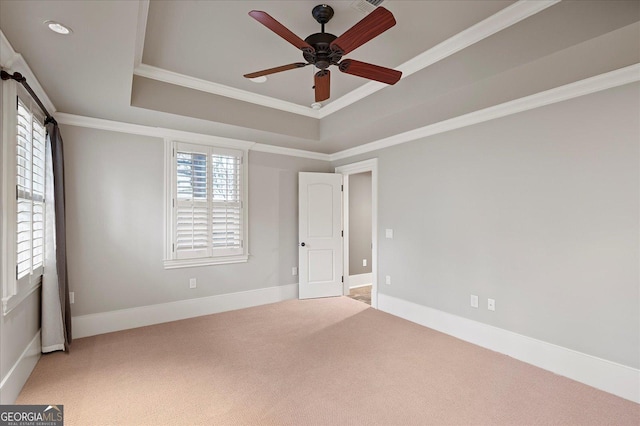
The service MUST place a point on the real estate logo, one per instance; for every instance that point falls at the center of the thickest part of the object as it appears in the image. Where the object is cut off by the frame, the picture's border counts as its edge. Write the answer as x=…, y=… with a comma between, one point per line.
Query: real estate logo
x=31, y=415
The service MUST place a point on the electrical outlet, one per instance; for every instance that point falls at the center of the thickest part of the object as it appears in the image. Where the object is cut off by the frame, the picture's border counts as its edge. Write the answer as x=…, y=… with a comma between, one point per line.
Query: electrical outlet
x=294, y=270
x=491, y=304
x=387, y=279
x=474, y=301
x=72, y=297
x=192, y=283
x=364, y=262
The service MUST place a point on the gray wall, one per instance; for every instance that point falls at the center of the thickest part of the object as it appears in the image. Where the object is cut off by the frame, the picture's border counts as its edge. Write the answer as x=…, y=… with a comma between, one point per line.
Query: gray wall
x=359, y=223
x=115, y=224
x=538, y=210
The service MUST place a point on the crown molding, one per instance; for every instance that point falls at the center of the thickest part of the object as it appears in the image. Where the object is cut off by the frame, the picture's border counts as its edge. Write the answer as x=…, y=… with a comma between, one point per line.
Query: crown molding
x=141, y=31
x=505, y=18
x=619, y=77
x=14, y=62
x=139, y=129
x=155, y=73
x=164, y=133
x=7, y=55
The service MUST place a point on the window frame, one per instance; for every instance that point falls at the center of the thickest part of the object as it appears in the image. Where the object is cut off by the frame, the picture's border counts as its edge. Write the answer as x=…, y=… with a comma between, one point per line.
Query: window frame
x=14, y=290
x=171, y=259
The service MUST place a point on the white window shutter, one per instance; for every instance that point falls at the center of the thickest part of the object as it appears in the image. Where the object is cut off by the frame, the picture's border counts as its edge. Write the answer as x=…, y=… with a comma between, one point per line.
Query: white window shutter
x=208, y=217
x=191, y=210
x=30, y=160
x=227, y=214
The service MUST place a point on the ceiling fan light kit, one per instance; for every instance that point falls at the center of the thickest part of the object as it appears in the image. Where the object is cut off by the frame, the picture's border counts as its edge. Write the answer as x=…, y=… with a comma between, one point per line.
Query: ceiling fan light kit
x=324, y=49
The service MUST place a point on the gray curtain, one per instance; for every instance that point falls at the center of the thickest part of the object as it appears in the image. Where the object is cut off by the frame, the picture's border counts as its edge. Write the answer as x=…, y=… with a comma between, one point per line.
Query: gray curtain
x=57, y=158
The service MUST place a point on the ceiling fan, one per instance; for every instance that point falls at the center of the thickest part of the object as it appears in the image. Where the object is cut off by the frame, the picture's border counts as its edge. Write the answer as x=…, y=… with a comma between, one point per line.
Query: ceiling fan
x=324, y=49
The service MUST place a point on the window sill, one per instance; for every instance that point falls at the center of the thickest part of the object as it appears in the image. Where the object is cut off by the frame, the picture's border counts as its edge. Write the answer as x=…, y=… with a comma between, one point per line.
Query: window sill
x=192, y=263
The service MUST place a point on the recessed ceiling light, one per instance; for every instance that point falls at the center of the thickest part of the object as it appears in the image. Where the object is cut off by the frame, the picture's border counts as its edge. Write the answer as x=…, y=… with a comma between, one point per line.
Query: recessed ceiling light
x=57, y=27
x=316, y=105
x=260, y=79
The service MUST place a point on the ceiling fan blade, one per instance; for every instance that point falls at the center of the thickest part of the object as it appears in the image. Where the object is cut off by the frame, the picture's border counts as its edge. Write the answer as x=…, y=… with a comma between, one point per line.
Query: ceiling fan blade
x=322, y=82
x=372, y=25
x=370, y=71
x=276, y=69
x=265, y=19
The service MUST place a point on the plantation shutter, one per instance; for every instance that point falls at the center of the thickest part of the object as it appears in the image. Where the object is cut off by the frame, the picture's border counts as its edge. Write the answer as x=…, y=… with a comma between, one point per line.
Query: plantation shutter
x=30, y=160
x=191, y=203
x=226, y=208
x=208, y=216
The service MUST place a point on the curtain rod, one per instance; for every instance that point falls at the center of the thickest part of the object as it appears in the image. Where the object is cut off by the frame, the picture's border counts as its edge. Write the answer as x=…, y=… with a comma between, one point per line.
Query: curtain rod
x=23, y=80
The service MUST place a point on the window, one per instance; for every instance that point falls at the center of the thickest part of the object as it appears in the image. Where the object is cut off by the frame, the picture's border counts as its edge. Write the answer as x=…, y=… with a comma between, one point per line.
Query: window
x=207, y=211
x=23, y=192
x=30, y=158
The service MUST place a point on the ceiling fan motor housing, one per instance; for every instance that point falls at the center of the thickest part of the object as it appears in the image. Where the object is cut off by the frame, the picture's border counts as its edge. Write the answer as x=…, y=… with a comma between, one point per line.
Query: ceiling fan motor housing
x=323, y=56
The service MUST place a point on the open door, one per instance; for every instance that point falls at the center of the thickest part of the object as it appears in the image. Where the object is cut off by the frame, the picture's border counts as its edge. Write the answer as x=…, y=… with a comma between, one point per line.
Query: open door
x=320, y=235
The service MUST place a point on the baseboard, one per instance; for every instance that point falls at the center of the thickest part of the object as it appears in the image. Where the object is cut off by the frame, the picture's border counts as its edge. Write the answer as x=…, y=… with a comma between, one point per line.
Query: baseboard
x=360, y=280
x=123, y=319
x=599, y=373
x=15, y=379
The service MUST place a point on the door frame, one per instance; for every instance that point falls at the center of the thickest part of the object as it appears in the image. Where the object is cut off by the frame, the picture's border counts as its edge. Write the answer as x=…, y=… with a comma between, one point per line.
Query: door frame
x=370, y=165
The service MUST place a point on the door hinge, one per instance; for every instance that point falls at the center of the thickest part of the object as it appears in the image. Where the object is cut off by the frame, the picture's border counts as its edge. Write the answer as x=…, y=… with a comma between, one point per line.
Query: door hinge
x=343, y=233
x=173, y=247
x=343, y=278
x=342, y=188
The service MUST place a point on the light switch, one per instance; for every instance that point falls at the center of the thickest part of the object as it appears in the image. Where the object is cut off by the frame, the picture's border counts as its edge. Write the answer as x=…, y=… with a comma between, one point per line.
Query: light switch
x=474, y=301
x=388, y=233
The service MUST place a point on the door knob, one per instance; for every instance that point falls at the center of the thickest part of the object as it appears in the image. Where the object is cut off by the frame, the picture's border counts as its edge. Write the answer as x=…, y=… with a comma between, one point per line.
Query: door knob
x=302, y=244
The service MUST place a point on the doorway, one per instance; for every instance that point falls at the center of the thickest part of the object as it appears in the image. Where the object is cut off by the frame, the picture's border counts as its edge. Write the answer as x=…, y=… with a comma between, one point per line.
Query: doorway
x=360, y=230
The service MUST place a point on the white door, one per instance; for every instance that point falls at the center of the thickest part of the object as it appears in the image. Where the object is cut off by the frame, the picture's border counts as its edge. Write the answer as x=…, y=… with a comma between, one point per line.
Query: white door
x=320, y=235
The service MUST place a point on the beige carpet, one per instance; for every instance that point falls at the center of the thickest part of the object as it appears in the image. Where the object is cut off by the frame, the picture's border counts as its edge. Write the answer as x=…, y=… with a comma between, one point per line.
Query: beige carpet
x=314, y=362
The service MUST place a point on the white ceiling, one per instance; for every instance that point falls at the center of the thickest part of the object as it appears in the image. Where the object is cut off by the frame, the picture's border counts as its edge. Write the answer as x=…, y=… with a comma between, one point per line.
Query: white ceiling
x=179, y=64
